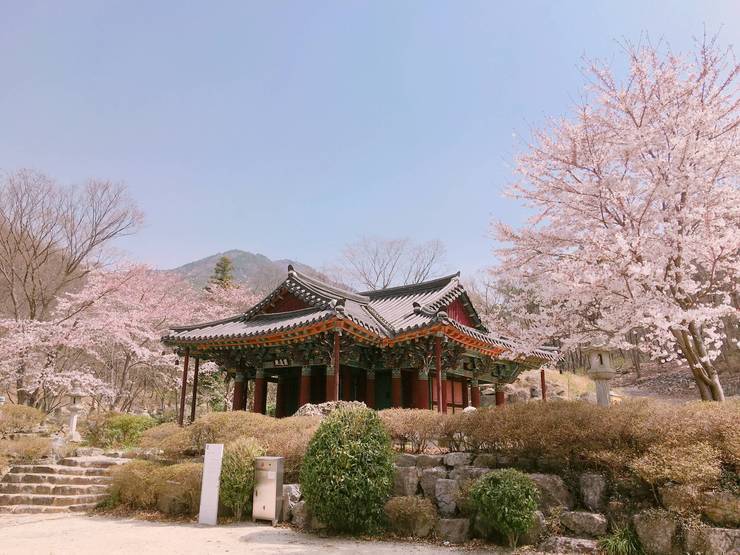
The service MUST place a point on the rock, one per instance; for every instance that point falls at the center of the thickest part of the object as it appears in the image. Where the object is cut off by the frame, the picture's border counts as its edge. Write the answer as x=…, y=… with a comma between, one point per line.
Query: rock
x=406, y=459
x=679, y=499
x=425, y=461
x=712, y=541
x=429, y=477
x=89, y=451
x=593, y=490
x=581, y=522
x=453, y=530
x=656, y=530
x=486, y=460
x=323, y=409
x=466, y=474
x=561, y=544
x=446, y=492
x=458, y=459
x=405, y=480
x=291, y=496
x=553, y=492
x=301, y=515
x=535, y=532
x=721, y=507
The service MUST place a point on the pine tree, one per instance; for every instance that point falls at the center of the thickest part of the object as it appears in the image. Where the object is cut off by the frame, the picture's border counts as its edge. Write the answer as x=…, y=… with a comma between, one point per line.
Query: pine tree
x=223, y=272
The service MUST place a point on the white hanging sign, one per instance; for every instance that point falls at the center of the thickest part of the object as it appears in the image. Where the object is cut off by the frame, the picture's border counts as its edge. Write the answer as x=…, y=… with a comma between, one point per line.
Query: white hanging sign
x=211, y=481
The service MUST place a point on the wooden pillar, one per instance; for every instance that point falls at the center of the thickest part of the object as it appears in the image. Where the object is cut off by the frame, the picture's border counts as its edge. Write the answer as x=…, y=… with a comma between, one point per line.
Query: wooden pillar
x=335, y=362
x=465, y=401
x=543, y=384
x=305, y=393
x=280, y=398
x=441, y=381
x=260, y=392
x=474, y=393
x=184, y=388
x=396, y=387
x=347, y=384
x=370, y=389
x=239, y=401
x=331, y=389
x=421, y=390
x=500, y=397
x=195, y=390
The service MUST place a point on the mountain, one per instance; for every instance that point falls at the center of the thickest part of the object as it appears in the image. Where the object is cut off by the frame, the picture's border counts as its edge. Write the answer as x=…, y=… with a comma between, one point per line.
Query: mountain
x=261, y=273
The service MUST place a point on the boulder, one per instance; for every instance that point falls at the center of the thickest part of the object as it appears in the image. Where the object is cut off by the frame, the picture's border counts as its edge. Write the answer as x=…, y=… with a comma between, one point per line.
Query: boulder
x=553, y=492
x=721, y=507
x=593, y=490
x=446, y=492
x=405, y=480
x=656, y=530
x=712, y=541
x=428, y=480
x=425, y=461
x=291, y=496
x=583, y=523
x=453, y=530
x=486, y=460
x=562, y=544
x=326, y=408
x=465, y=474
x=534, y=533
x=679, y=499
x=458, y=459
x=301, y=515
x=406, y=459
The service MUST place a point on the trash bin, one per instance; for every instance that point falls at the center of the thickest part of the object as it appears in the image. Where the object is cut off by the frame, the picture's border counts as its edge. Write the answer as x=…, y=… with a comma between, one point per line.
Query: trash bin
x=267, y=501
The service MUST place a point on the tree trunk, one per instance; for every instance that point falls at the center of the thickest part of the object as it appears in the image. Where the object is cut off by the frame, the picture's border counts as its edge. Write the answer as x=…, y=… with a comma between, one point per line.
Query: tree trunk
x=705, y=374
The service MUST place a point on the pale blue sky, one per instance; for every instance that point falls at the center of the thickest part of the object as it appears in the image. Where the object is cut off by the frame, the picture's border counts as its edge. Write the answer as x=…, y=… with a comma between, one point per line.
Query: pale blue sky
x=290, y=128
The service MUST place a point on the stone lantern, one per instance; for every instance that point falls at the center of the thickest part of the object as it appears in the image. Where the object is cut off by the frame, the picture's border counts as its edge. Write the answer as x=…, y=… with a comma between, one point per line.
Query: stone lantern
x=74, y=412
x=601, y=371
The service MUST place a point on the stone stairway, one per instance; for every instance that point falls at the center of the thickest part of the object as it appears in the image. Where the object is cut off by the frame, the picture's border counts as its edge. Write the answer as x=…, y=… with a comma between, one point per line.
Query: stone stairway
x=74, y=484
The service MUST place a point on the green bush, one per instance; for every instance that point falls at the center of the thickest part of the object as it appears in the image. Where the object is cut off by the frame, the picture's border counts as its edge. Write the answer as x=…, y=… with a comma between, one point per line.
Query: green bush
x=411, y=516
x=237, y=475
x=506, y=499
x=622, y=541
x=347, y=473
x=118, y=430
x=19, y=418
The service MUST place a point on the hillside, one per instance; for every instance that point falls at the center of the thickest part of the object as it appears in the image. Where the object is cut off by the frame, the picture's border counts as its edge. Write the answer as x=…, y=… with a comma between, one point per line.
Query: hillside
x=258, y=270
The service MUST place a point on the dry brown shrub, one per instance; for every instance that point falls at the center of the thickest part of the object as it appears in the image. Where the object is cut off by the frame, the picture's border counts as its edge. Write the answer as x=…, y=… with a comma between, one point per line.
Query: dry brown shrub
x=19, y=418
x=411, y=516
x=177, y=488
x=698, y=464
x=415, y=428
x=289, y=438
x=134, y=484
x=171, y=438
x=26, y=449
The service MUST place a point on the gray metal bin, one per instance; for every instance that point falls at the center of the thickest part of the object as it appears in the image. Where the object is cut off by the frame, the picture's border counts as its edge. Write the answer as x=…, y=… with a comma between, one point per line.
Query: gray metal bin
x=267, y=501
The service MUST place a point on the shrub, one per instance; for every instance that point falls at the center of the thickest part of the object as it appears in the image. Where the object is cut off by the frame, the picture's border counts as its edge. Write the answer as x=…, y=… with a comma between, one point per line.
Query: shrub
x=118, y=430
x=177, y=488
x=237, y=474
x=413, y=427
x=411, y=516
x=26, y=449
x=622, y=541
x=698, y=464
x=507, y=500
x=347, y=473
x=134, y=484
x=19, y=418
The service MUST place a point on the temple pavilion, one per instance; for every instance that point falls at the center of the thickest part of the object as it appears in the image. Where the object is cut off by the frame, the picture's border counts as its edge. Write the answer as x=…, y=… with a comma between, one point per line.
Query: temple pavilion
x=421, y=346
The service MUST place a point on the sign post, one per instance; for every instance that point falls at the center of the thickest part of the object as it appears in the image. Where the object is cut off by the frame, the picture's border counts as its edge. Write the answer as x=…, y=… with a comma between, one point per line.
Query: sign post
x=211, y=480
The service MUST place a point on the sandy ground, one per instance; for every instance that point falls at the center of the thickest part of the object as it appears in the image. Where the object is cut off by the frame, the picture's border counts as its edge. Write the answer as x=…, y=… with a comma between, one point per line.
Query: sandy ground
x=81, y=535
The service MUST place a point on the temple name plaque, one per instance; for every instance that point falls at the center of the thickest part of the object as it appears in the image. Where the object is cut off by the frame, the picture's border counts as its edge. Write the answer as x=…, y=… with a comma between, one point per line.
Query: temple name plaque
x=209, y=487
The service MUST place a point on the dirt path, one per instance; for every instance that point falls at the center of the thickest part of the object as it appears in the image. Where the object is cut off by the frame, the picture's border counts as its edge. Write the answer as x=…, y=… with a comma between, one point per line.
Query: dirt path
x=81, y=535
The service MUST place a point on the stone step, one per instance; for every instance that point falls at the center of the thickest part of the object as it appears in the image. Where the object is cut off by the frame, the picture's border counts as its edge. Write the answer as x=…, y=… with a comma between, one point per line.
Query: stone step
x=35, y=509
x=92, y=461
x=53, y=489
x=71, y=479
x=58, y=469
x=55, y=500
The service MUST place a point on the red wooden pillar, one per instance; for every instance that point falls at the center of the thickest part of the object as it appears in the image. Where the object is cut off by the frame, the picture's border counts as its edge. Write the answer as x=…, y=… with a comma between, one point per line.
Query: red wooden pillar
x=260, y=392
x=305, y=393
x=347, y=384
x=195, y=390
x=332, y=372
x=543, y=384
x=370, y=389
x=396, y=387
x=421, y=390
x=183, y=390
x=500, y=397
x=280, y=398
x=441, y=380
x=474, y=393
x=240, y=391
x=465, y=402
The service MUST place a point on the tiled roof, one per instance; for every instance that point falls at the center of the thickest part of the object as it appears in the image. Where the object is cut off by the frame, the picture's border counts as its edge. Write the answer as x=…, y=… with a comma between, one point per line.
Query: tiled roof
x=386, y=313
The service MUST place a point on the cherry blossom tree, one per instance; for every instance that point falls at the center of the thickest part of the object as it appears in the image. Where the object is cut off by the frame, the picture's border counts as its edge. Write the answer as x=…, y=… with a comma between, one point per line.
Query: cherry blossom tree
x=636, y=220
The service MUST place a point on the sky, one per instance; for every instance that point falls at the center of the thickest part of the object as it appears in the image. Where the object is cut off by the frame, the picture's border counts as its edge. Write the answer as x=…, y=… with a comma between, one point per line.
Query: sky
x=291, y=128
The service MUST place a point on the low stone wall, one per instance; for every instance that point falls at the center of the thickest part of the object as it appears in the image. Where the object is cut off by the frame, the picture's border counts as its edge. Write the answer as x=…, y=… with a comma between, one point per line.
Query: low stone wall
x=584, y=509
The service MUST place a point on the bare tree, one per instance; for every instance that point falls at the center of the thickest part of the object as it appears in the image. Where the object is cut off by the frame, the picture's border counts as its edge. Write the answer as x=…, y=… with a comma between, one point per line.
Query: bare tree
x=49, y=233
x=378, y=263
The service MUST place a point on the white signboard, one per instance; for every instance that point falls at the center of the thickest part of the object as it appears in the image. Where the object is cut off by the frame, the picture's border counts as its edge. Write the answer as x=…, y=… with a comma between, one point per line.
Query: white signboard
x=211, y=480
